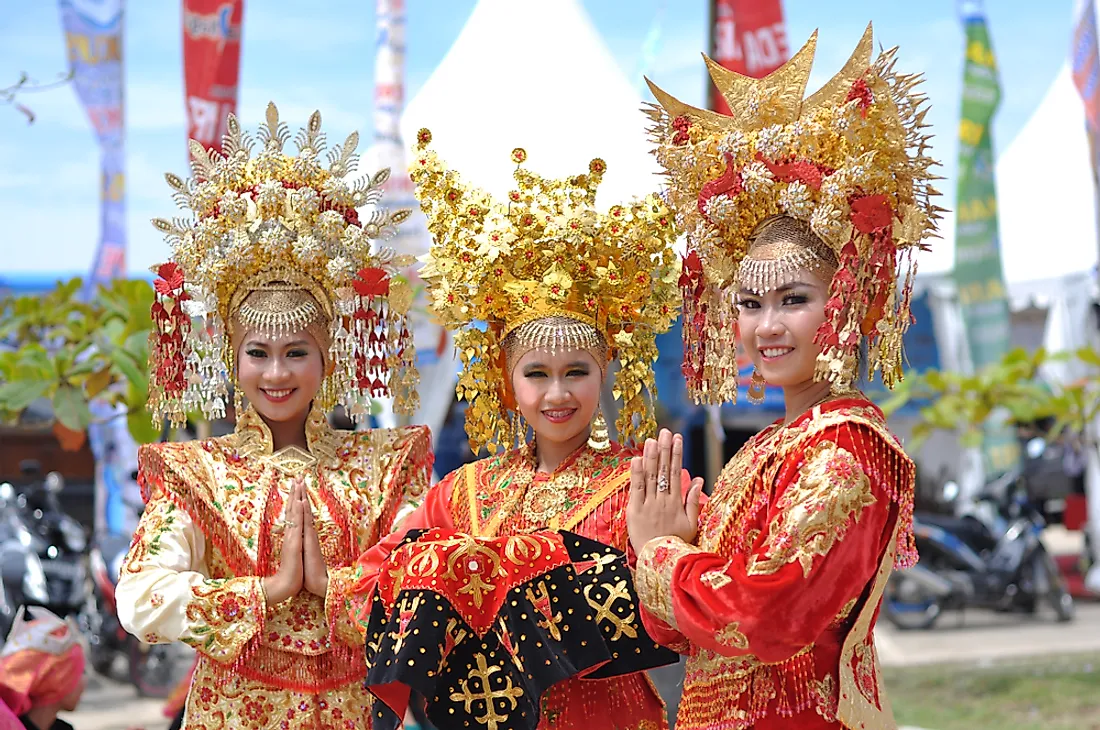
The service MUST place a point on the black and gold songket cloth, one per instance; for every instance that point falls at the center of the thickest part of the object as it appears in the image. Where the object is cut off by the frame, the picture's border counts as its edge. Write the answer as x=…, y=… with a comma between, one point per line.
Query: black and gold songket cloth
x=480, y=628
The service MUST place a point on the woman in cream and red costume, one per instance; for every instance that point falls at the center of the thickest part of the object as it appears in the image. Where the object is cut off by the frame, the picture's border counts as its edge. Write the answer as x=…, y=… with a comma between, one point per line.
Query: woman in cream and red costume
x=247, y=539
x=799, y=213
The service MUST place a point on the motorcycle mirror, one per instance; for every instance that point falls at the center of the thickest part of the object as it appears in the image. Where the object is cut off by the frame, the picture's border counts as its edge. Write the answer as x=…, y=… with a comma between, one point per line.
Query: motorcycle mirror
x=950, y=491
x=54, y=482
x=1035, y=448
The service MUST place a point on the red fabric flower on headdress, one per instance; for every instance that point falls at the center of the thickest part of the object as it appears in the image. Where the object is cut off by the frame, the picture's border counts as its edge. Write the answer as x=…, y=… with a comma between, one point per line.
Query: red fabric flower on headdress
x=871, y=214
x=372, y=282
x=728, y=184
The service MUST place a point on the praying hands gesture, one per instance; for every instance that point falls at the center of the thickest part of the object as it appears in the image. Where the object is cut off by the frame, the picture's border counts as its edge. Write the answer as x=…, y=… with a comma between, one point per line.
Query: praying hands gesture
x=657, y=506
x=301, y=563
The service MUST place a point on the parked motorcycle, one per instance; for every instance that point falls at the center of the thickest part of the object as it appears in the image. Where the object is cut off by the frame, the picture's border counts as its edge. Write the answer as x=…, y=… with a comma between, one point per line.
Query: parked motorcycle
x=153, y=669
x=41, y=548
x=991, y=557
x=46, y=561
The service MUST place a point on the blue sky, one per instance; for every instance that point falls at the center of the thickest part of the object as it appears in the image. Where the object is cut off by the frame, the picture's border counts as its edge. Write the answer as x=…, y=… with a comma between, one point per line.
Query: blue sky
x=320, y=55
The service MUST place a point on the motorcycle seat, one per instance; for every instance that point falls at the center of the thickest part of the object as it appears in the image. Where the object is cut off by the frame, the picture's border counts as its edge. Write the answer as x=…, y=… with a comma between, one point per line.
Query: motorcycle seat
x=970, y=531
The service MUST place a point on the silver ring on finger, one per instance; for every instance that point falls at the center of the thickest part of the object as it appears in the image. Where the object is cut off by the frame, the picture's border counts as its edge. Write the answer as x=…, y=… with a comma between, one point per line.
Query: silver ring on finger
x=662, y=483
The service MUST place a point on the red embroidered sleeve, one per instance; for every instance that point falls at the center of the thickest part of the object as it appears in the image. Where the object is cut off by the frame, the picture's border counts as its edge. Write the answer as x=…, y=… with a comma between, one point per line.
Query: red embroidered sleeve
x=825, y=532
x=360, y=582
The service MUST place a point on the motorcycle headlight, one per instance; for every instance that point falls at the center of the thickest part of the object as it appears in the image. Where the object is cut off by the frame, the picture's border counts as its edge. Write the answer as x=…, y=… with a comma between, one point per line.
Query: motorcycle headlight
x=34, y=581
x=116, y=566
x=74, y=536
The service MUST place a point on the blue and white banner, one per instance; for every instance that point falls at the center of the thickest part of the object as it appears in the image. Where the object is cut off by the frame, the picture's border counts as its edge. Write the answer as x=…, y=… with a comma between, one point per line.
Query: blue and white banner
x=93, y=39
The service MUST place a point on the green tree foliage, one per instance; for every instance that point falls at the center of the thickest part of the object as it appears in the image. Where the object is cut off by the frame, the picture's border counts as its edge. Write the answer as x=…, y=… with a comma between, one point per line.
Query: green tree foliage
x=951, y=401
x=72, y=352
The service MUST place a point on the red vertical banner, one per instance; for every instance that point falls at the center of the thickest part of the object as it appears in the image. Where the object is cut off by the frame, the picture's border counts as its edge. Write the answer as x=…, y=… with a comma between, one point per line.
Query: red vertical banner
x=749, y=37
x=211, y=66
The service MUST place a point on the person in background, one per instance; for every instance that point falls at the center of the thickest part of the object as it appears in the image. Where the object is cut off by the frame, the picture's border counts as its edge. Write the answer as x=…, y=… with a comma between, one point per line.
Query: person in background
x=41, y=672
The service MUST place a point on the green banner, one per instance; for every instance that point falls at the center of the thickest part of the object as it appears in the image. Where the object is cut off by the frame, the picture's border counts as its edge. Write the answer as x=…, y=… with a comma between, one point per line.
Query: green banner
x=978, y=272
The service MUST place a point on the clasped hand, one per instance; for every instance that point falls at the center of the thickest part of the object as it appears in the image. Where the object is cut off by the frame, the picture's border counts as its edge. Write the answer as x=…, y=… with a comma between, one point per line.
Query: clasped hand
x=301, y=564
x=657, y=506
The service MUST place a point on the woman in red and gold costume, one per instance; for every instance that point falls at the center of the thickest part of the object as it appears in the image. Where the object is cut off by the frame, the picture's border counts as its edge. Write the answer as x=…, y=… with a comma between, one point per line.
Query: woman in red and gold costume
x=247, y=540
x=799, y=213
x=561, y=289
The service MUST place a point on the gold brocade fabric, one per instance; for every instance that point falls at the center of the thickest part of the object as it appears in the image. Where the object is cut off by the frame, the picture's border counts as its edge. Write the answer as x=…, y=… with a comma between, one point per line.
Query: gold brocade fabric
x=214, y=522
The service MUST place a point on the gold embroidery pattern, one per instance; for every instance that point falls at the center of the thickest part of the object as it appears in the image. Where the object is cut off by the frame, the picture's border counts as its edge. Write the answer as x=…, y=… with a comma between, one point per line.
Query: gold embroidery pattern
x=487, y=501
x=484, y=695
x=217, y=701
x=737, y=692
x=825, y=697
x=503, y=495
x=624, y=625
x=302, y=670
x=727, y=692
x=541, y=601
x=816, y=511
x=340, y=606
x=159, y=517
x=225, y=616
x=653, y=577
x=732, y=638
x=716, y=579
x=845, y=612
x=865, y=668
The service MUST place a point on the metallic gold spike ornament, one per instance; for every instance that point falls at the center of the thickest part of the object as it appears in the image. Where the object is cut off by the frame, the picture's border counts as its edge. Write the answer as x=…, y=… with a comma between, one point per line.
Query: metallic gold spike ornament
x=837, y=182
x=276, y=245
x=543, y=270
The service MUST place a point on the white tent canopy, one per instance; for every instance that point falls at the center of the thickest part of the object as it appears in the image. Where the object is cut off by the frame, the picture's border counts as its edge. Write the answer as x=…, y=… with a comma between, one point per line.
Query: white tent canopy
x=1046, y=205
x=537, y=75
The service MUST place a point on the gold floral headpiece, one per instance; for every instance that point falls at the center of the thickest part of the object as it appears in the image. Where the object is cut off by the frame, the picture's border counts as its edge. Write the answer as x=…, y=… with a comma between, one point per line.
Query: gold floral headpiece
x=273, y=239
x=850, y=161
x=545, y=256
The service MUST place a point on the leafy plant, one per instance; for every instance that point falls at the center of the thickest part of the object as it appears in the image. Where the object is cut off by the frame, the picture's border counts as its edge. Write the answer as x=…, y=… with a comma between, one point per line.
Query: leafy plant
x=72, y=352
x=951, y=400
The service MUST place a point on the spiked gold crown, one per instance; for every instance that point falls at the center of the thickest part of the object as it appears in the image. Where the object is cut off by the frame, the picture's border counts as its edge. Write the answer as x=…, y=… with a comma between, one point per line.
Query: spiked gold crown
x=286, y=228
x=849, y=161
x=536, y=265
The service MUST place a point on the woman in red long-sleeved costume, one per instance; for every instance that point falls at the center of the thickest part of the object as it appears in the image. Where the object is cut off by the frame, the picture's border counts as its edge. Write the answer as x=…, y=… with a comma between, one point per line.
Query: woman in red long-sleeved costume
x=798, y=212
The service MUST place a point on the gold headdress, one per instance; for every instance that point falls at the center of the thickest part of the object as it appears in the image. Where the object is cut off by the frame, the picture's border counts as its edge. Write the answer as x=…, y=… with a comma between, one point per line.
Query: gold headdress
x=848, y=162
x=276, y=245
x=545, y=268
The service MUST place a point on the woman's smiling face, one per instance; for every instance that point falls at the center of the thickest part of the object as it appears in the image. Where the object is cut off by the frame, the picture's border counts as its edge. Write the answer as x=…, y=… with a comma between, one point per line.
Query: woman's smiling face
x=557, y=394
x=280, y=376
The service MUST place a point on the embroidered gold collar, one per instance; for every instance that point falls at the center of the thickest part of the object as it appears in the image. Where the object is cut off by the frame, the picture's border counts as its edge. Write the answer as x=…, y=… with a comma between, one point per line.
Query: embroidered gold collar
x=254, y=441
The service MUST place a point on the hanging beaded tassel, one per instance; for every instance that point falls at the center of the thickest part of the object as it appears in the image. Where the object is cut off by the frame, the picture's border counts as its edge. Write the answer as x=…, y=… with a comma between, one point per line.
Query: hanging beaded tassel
x=170, y=361
x=364, y=343
x=756, y=388
x=599, y=439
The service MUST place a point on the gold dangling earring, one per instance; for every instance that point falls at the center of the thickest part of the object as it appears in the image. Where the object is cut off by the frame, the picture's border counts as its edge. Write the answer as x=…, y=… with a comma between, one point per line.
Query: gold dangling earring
x=598, y=438
x=756, y=388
